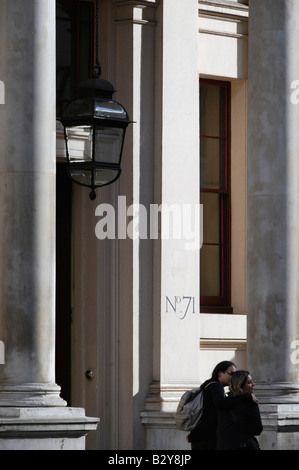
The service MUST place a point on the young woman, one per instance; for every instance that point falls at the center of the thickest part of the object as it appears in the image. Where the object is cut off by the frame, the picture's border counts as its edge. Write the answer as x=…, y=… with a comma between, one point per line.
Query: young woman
x=204, y=436
x=238, y=426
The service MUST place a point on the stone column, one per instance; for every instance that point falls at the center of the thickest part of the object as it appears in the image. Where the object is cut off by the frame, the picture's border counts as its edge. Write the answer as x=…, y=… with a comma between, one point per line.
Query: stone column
x=27, y=195
x=273, y=216
x=27, y=219
x=176, y=315
x=179, y=299
x=134, y=78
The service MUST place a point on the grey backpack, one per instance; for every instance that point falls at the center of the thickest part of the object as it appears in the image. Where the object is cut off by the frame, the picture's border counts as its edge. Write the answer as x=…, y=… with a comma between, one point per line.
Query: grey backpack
x=190, y=409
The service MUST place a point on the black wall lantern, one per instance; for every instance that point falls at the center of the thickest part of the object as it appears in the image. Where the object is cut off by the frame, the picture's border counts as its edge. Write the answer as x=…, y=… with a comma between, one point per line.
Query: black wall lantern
x=94, y=129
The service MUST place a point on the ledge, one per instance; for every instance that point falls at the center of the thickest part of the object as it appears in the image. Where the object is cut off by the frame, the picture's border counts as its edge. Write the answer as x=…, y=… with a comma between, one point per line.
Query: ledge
x=224, y=9
x=44, y=428
x=158, y=419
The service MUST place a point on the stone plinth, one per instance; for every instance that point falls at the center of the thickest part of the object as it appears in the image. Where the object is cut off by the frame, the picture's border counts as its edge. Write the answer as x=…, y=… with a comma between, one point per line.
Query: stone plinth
x=45, y=428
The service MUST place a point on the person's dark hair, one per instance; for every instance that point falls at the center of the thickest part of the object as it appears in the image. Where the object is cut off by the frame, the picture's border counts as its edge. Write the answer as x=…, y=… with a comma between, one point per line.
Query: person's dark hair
x=221, y=367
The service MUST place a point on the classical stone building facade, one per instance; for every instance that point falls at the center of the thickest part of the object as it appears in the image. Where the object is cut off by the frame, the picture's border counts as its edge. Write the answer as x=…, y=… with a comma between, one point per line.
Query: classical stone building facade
x=146, y=311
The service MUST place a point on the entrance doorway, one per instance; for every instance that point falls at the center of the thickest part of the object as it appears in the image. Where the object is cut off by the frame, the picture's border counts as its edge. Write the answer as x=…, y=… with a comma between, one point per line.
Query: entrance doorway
x=63, y=281
x=77, y=324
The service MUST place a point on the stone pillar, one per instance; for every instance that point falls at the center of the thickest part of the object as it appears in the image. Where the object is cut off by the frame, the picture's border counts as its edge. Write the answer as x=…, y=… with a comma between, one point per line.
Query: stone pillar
x=135, y=49
x=273, y=217
x=179, y=301
x=27, y=218
x=176, y=315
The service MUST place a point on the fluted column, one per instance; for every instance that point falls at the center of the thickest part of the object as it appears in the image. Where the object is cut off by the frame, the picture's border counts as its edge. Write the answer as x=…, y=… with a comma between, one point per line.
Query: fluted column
x=273, y=204
x=27, y=201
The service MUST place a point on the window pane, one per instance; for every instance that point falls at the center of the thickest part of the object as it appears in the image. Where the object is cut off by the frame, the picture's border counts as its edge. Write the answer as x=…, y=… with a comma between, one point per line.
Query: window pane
x=210, y=110
x=211, y=217
x=210, y=271
x=212, y=174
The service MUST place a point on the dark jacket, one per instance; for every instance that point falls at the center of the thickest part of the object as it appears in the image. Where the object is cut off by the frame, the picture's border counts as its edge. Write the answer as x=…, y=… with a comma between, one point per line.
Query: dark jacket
x=236, y=425
x=214, y=400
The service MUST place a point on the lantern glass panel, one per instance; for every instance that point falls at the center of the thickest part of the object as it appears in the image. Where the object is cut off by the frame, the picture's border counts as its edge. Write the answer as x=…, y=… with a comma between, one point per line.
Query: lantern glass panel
x=81, y=176
x=108, y=144
x=95, y=177
x=80, y=108
x=99, y=108
x=80, y=143
x=109, y=109
x=102, y=177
